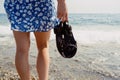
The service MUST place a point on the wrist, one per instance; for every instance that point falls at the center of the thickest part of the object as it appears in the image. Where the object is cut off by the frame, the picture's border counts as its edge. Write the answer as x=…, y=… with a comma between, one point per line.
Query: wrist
x=59, y=1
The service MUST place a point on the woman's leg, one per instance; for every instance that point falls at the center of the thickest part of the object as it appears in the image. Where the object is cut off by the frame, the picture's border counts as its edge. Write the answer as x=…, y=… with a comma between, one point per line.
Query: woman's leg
x=42, y=39
x=21, y=59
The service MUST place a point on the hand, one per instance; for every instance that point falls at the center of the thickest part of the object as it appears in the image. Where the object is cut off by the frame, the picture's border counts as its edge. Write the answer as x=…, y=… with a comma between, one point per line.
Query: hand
x=62, y=12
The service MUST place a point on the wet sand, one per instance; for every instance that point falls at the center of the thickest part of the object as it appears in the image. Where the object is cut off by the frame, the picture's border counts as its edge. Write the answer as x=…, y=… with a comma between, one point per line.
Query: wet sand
x=99, y=61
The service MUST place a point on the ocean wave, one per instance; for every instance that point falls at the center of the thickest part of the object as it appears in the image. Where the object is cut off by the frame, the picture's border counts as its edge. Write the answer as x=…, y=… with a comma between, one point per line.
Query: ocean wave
x=87, y=36
x=94, y=19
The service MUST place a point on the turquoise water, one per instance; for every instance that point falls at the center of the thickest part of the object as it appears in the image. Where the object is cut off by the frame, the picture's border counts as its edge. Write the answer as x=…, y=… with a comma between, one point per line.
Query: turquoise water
x=89, y=28
x=3, y=20
x=95, y=19
x=83, y=19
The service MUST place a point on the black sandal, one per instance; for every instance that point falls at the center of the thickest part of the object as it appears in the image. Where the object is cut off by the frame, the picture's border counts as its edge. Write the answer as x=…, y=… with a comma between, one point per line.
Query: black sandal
x=65, y=42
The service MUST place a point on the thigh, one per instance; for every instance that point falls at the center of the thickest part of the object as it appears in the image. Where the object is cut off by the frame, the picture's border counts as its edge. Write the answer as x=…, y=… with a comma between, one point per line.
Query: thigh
x=22, y=40
x=42, y=38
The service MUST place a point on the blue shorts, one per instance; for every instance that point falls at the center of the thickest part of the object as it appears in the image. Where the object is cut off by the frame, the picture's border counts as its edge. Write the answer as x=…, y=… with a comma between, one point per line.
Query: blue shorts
x=31, y=15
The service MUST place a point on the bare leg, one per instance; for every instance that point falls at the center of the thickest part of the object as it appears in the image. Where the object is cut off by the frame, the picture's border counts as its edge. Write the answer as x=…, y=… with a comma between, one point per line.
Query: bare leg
x=42, y=39
x=21, y=59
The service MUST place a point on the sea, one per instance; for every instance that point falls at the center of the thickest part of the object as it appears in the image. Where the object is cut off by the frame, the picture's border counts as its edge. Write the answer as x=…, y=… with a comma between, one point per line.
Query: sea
x=82, y=19
x=89, y=27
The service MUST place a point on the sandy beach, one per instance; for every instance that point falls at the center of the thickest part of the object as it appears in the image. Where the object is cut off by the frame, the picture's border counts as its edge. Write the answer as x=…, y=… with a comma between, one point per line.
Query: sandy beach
x=96, y=61
x=96, y=27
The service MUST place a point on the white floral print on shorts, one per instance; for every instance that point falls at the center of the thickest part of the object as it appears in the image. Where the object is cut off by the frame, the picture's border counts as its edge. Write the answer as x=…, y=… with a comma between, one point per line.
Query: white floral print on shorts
x=31, y=15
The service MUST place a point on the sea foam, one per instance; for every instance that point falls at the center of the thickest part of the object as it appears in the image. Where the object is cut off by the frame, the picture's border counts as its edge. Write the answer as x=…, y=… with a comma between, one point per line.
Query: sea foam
x=94, y=36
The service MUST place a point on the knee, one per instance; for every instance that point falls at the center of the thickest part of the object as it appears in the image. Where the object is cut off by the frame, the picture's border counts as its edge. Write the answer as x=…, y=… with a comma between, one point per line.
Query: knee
x=42, y=45
x=22, y=50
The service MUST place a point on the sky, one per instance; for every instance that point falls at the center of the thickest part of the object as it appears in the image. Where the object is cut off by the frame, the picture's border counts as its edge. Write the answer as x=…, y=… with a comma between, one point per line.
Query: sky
x=93, y=6
x=87, y=6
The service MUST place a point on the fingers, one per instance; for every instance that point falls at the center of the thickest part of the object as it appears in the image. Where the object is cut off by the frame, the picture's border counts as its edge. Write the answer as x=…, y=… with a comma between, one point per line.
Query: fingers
x=63, y=17
x=66, y=17
x=59, y=15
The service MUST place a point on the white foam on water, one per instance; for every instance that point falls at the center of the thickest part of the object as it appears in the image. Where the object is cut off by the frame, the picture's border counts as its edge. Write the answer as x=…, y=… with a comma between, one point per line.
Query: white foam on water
x=82, y=35
x=97, y=35
x=5, y=30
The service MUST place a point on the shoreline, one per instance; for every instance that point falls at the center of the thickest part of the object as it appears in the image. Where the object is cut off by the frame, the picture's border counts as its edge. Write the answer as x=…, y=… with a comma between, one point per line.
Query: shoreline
x=83, y=34
x=92, y=62
x=96, y=61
